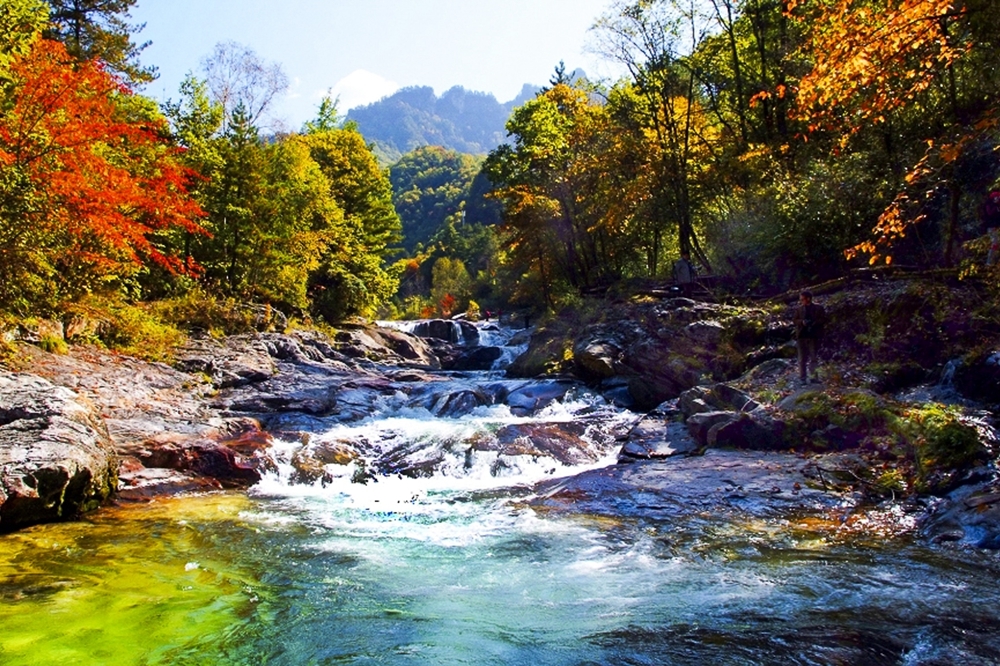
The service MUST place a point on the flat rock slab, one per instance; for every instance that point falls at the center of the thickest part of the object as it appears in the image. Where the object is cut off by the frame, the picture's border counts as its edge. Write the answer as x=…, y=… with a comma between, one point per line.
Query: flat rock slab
x=751, y=484
x=654, y=438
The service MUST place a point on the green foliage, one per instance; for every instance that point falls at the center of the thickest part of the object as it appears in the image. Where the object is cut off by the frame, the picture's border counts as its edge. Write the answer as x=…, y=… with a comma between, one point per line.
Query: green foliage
x=302, y=222
x=327, y=117
x=99, y=30
x=198, y=310
x=352, y=278
x=20, y=23
x=862, y=414
x=132, y=329
x=430, y=187
x=53, y=344
x=450, y=278
x=944, y=445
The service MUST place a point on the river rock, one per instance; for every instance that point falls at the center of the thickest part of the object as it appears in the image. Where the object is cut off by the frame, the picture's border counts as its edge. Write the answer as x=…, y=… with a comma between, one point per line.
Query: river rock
x=199, y=455
x=141, y=484
x=756, y=431
x=458, y=403
x=700, y=424
x=596, y=359
x=728, y=484
x=717, y=397
x=536, y=396
x=229, y=362
x=706, y=333
x=979, y=379
x=657, y=437
x=565, y=442
x=456, y=332
x=968, y=516
x=474, y=359
x=56, y=456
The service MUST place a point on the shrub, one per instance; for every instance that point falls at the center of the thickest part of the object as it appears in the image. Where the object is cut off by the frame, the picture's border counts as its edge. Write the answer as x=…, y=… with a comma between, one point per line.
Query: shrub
x=129, y=328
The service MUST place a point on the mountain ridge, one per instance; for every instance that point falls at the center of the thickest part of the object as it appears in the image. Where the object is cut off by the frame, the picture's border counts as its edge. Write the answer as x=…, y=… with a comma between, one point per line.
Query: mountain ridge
x=462, y=120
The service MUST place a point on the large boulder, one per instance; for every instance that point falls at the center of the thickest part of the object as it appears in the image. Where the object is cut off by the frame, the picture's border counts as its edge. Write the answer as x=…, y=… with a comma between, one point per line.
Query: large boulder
x=596, y=359
x=456, y=332
x=56, y=457
x=718, y=397
x=473, y=359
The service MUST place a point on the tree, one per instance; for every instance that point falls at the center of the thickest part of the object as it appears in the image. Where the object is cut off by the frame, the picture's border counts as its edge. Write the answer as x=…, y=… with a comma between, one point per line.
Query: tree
x=86, y=184
x=20, y=23
x=238, y=77
x=926, y=67
x=430, y=185
x=450, y=285
x=352, y=278
x=645, y=36
x=99, y=30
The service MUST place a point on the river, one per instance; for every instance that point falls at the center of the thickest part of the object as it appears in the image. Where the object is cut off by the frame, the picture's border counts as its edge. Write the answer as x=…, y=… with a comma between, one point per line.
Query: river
x=454, y=566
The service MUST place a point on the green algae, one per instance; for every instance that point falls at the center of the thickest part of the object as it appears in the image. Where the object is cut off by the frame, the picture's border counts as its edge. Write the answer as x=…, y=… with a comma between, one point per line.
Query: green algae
x=139, y=584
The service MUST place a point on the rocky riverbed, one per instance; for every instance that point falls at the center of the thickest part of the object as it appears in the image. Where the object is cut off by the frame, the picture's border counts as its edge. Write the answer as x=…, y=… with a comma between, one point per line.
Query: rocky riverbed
x=698, y=402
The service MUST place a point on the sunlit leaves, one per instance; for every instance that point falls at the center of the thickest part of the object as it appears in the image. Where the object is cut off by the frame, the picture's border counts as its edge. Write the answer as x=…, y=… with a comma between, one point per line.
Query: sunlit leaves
x=88, y=180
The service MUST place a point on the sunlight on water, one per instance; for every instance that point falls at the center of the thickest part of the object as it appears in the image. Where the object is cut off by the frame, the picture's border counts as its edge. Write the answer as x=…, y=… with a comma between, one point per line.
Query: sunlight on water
x=345, y=575
x=132, y=585
x=448, y=564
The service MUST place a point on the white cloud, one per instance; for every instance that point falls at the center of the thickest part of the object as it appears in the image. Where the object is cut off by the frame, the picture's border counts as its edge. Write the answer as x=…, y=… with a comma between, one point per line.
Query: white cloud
x=361, y=87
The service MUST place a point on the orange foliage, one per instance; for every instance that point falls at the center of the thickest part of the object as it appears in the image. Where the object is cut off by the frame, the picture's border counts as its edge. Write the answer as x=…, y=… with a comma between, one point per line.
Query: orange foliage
x=447, y=305
x=873, y=57
x=101, y=183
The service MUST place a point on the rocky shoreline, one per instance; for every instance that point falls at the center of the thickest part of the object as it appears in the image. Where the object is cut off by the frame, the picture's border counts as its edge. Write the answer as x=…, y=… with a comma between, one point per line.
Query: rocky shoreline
x=720, y=427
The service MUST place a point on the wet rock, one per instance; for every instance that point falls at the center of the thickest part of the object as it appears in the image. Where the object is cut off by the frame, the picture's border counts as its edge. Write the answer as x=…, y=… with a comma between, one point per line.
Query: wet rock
x=459, y=403
x=534, y=397
x=566, y=443
x=968, y=516
x=730, y=485
x=310, y=462
x=979, y=379
x=200, y=456
x=475, y=359
x=409, y=347
x=141, y=484
x=455, y=332
x=657, y=437
x=57, y=459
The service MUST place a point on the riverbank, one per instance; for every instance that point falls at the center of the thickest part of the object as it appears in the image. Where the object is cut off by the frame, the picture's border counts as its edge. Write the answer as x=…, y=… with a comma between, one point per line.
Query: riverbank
x=847, y=455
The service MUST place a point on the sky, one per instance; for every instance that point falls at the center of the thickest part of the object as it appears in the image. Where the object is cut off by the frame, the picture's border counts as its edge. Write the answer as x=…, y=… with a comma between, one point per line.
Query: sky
x=363, y=50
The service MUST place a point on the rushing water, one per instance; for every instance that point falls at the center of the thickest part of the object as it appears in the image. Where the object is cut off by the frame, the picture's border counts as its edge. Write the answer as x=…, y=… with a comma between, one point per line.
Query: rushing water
x=456, y=568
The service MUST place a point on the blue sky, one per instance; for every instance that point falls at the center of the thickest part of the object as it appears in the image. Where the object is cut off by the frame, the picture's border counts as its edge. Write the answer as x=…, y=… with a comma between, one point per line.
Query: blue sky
x=365, y=49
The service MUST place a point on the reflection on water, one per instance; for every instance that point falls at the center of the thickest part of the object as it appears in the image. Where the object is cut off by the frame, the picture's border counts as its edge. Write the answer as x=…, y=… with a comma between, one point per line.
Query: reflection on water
x=456, y=579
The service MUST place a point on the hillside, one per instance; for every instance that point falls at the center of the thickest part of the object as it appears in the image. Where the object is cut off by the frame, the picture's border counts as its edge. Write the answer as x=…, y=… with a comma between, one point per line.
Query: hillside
x=462, y=120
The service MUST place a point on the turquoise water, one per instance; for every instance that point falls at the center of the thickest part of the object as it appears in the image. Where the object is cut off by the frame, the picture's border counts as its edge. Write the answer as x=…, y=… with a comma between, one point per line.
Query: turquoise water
x=473, y=578
x=457, y=568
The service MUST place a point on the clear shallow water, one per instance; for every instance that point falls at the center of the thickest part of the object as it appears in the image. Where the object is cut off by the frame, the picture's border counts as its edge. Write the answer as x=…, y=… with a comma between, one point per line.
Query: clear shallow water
x=466, y=578
x=456, y=568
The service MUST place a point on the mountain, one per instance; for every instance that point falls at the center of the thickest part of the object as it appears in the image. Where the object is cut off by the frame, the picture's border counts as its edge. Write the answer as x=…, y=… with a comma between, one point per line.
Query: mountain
x=461, y=120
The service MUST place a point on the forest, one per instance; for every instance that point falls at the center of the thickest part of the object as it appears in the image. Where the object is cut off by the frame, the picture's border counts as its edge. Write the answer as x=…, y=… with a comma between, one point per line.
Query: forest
x=780, y=143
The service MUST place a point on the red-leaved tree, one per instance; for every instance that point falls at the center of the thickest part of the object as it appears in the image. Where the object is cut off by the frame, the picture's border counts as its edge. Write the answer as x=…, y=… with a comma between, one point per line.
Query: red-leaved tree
x=88, y=181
